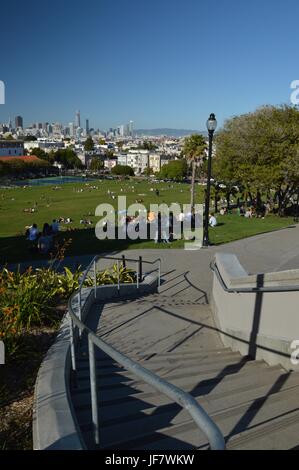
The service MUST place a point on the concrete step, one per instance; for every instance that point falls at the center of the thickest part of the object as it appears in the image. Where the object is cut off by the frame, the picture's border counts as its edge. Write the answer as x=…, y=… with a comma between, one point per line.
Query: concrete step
x=190, y=365
x=124, y=393
x=182, y=433
x=249, y=389
x=280, y=433
x=186, y=378
x=156, y=358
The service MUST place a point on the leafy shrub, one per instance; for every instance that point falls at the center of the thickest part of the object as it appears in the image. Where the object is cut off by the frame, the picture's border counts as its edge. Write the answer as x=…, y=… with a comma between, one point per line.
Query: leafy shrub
x=110, y=276
x=29, y=299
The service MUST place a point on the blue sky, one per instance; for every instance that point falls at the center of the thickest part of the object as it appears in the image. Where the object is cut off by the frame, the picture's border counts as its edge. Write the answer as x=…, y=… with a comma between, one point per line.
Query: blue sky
x=161, y=63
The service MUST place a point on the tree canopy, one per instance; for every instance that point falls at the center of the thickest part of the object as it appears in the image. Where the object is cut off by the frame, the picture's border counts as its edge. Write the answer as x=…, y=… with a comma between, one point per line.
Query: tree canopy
x=194, y=150
x=122, y=170
x=260, y=152
x=88, y=144
x=194, y=146
x=175, y=169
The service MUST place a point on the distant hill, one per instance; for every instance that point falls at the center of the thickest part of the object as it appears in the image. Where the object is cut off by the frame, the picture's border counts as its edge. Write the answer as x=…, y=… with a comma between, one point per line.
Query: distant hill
x=167, y=132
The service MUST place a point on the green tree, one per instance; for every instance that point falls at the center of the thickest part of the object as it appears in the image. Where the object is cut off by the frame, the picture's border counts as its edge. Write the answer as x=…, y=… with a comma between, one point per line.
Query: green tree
x=109, y=153
x=68, y=158
x=122, y=170
x=260, y=152
x=88, y=144
x=40, y=153
x=194, y=151
x=96, y=164
x=175, y=169
x=148, y=171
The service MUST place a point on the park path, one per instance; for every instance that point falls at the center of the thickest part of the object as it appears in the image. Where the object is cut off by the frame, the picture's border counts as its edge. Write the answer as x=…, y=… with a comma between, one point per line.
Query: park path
x=275, y=251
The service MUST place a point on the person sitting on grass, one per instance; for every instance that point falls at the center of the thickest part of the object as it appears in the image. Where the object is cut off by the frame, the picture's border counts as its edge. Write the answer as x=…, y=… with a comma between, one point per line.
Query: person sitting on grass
x=212, y=220
x=32, y=233
x=249, y=213
x=45, y=241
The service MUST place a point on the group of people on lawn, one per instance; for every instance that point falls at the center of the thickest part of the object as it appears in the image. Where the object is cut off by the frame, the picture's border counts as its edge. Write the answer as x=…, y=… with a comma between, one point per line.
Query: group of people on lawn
x=43, y=240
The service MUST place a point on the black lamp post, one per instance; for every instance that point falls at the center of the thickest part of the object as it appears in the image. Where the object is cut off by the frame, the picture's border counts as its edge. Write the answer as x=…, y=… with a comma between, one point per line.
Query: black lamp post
x=296, y=218
x=211, y=126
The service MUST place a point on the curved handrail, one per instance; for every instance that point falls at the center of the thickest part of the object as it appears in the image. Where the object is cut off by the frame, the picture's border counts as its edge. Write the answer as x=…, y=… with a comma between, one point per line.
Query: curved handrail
x=248, y=290
x=98, y=257
x=184, y=399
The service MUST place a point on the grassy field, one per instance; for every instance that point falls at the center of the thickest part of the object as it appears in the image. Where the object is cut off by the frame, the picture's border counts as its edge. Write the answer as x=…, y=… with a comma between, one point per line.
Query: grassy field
x=79, y=200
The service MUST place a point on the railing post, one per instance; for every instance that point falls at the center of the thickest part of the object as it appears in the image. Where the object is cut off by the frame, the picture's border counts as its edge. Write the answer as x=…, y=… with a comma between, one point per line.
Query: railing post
x=159, y=273
x=95, y=278
x=79, y=309
x=140, y=268
x=137, y=271
x=93, y=389
x=79, y=304
x=72, y=344
x=124, y=261
x=118, y=286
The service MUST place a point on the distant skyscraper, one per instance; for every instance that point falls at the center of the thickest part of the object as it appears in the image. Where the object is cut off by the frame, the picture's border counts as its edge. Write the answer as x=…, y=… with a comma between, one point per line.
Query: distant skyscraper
x=78, y=119
x=131, y=128
x=87, y=127
x=18, y=121
x=71, y=128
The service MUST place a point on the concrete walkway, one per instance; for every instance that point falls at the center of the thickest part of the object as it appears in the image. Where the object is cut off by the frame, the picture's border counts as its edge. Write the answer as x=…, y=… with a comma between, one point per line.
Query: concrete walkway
x=275, y=251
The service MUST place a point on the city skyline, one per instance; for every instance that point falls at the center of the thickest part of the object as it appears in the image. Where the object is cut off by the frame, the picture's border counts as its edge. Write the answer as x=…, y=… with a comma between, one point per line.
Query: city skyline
x=164, y=64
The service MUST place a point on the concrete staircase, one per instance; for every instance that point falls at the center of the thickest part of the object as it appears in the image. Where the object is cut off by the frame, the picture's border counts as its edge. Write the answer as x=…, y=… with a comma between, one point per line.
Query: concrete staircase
x=256, y=406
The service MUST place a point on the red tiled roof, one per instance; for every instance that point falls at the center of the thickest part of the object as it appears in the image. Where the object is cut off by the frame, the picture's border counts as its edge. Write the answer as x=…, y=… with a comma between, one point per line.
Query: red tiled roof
x=23, y=158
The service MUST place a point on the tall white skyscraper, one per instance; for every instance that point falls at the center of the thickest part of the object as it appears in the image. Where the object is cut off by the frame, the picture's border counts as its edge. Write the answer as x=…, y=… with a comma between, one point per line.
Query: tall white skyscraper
x=71, y=128
x=78, y=119
x=131, y=128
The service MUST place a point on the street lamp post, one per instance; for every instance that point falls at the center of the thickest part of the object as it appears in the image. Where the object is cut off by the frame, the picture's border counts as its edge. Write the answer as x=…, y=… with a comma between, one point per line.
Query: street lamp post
x=296, y=218
x=211, y=126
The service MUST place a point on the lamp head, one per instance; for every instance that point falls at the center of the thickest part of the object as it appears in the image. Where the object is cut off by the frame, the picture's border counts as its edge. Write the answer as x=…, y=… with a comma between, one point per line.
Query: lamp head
x=212, y=123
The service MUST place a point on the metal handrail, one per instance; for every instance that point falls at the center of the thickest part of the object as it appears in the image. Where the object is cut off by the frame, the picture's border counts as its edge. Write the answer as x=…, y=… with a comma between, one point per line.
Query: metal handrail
x=184, y=399
x=248, y=290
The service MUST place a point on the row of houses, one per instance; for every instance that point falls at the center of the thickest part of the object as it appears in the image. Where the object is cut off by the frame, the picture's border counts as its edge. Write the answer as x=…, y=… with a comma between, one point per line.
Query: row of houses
x=139, y=160
x=142, y=160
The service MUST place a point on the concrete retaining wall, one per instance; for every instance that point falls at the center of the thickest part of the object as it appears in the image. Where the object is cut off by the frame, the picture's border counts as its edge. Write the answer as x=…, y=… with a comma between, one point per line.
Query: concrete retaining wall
x=54, y=422
x=262, y=325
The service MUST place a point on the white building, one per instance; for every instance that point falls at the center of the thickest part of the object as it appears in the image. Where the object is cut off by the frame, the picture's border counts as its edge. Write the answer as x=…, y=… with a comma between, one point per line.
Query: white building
x=155, y=162
x=136, y=159
x=110, y=163
x=45, y=145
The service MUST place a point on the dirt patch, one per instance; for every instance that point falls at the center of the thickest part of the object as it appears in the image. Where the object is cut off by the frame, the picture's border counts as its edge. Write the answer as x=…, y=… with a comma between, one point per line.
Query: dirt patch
x=17, y=380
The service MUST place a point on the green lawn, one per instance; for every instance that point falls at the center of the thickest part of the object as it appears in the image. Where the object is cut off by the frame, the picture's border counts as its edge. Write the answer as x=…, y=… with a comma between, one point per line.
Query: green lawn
x=69, y=202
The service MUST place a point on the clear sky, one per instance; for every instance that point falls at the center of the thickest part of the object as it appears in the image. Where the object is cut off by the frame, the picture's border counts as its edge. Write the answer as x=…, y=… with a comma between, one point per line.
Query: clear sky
x=161, y=63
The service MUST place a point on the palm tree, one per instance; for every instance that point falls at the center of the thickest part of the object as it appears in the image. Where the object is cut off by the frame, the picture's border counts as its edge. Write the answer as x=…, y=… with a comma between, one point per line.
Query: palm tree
x=193, y=149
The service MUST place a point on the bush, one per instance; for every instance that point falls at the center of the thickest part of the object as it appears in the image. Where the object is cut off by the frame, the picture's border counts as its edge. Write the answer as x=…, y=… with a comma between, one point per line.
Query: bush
x=122, y=170
x=29, y=299
x=175, y=169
